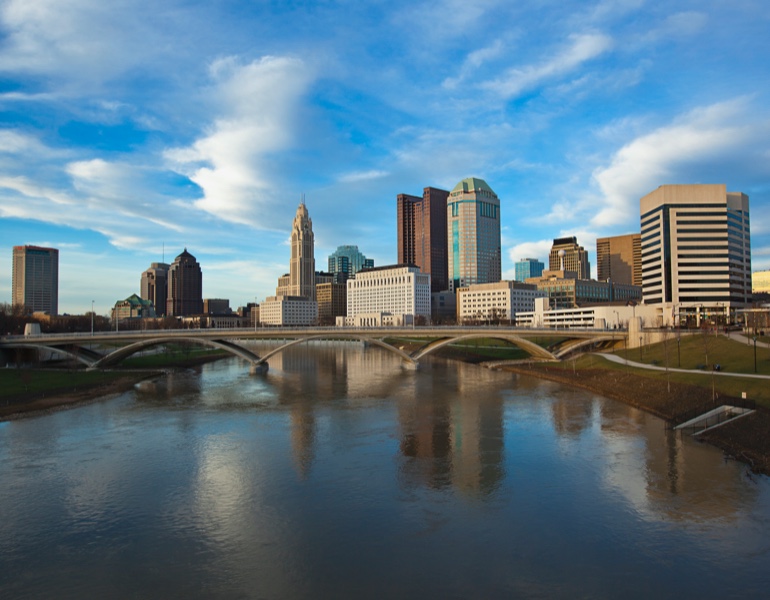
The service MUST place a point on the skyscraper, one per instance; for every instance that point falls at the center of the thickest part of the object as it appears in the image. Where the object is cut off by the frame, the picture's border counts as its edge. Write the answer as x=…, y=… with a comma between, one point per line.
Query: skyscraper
x=154, y=286
x=696, y=251
x=346, y=261
x=422, y=231
x=528, y=267
x=473, y=234
x=619, y=258
x=574, y=258
x=185, y=287
x=302, y=263
x=35, y=278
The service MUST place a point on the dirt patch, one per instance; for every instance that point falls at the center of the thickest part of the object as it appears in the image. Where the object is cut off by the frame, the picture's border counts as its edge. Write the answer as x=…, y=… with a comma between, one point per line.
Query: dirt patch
x=747, y=439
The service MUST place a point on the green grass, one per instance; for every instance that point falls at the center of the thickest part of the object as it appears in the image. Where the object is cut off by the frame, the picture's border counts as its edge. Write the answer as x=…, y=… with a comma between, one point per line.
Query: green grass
x=730, y=355
x=171, y=356
x=15, y=382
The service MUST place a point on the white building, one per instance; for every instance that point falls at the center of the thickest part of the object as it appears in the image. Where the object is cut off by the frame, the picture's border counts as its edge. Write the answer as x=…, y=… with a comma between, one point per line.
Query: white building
x=696, y=252
x=502, y=300
x=394, y=295
x=589, y=317
x=288, y=311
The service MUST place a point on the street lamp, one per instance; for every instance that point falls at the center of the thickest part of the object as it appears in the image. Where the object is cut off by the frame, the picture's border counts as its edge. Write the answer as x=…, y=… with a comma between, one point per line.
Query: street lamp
x=254, y=314
x=678, y=353
x=640, y=348
x=92, y=318
x=755, y=354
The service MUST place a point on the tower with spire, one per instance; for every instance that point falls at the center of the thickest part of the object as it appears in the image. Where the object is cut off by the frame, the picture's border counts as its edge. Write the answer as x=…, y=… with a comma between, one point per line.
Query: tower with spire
x=302, y=264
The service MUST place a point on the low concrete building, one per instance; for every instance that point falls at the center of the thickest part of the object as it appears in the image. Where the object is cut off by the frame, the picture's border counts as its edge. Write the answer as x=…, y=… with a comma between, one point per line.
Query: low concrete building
x=288, y=311
x=610, y=316
x=566, y=290
x=396, y=290
x=496, y=302
x=133, y=307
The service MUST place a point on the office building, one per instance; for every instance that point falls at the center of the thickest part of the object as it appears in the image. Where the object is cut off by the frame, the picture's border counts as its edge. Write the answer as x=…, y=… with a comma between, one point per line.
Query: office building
x=696, y=252
x=35, y=279
x=185, y=287
x=566, y=290
x=154, y=286
x=216, y=306
x=288, y=311
x=606, y=317
x=346, y=261
x=396, y=294
x=568, y=255
x=302, y=263
x=422, y=234
x=473, y=234
x=332, y=301
x=495, y=302
x=528, y=267
x=620, y=258
x=133, y=307
x=760, y=282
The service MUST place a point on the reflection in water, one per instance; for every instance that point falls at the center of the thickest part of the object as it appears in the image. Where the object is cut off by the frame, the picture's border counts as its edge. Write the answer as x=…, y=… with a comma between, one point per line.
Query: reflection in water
x=340, y=474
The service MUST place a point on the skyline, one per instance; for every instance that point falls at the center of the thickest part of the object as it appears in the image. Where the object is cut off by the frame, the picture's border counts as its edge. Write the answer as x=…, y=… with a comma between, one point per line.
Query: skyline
x=133, y=128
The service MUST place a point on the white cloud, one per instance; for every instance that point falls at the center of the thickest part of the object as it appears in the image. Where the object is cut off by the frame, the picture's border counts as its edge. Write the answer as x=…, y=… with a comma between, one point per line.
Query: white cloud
x=692, y=144
x=258, y=105
x=582, y=49
x=473, y=61
x=362, y=176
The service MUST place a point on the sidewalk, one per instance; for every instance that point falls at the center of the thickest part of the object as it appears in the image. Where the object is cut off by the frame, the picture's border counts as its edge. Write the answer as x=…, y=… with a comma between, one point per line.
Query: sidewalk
x=622, y=361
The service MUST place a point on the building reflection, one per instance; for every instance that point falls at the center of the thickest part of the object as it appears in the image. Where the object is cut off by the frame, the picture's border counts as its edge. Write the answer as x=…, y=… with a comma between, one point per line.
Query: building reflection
x=671, y=476
x=453, y=435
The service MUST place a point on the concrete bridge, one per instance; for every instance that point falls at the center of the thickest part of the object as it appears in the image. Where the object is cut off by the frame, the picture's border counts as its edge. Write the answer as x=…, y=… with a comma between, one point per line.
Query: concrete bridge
x=79, y=346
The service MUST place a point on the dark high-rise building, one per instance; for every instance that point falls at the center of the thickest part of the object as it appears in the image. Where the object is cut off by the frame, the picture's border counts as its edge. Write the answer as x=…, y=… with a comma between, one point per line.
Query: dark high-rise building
x=35, y=279
x=185, y=287
x=154, y=286
x=567, y=255
x=422, y=234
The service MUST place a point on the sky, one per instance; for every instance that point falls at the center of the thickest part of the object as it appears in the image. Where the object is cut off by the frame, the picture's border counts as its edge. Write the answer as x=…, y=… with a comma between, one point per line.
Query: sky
x=131, y=130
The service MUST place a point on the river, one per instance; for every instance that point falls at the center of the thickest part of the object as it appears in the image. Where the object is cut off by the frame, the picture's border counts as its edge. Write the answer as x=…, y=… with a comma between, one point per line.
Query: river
x=339, y=474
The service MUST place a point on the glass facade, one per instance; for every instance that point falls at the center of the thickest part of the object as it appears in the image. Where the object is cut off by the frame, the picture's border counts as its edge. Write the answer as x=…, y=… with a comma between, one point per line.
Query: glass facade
x=528, y=267
x=346, y=261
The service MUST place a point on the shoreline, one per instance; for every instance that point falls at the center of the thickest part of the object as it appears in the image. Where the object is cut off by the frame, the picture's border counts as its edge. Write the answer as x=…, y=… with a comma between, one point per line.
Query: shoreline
x=746, y=440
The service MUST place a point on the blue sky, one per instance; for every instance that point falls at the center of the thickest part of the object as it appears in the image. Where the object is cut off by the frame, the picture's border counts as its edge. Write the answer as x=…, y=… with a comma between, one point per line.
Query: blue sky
x=130, y=126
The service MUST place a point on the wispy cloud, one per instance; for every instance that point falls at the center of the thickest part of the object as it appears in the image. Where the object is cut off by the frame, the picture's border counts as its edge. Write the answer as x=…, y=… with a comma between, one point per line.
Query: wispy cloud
x=583, y=47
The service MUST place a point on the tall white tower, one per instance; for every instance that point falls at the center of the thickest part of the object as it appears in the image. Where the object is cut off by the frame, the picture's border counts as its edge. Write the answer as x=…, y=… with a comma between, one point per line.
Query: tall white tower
x=302, y=264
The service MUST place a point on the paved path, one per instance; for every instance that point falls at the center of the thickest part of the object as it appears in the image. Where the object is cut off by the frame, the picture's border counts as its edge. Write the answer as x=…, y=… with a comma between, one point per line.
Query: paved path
x=743, y=339
x=620, y=360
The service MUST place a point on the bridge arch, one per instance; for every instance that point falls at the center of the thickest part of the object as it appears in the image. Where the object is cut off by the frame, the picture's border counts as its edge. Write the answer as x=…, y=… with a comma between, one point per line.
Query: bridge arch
x=522, y=343
x=66, y=351
x=343, y=336
x=577, y=344
x=123, y=353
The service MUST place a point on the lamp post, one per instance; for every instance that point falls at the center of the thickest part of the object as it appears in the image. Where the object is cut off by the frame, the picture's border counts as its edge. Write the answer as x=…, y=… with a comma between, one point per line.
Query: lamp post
x=640, y=348
x=755, y=354
x=678, y=353
x=92, y=318
x=254, y=314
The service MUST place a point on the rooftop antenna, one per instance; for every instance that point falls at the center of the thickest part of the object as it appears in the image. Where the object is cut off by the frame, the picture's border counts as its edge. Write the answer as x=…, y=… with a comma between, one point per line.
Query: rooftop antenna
x=303, y=199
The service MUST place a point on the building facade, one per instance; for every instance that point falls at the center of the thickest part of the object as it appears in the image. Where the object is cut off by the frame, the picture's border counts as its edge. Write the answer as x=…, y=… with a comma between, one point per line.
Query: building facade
x=391, y=290
x=154, y=286
x=500, y=301
x=288, y=311
x=607, y=317
x=422, y=234
x=332, y=301
x=346, y=261
x=184, y=294
x=696, y=251
x=302, y=263
x=568, y=255
x=35, y=278
x=620, y=258
x=566, y=290
x=528, y=267
x=216, y=306
x=133, y=307
x=473, y=234
x=760, y=282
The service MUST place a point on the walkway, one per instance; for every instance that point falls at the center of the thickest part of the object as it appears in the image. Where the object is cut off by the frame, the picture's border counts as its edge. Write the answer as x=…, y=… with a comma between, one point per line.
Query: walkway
x=620, y=360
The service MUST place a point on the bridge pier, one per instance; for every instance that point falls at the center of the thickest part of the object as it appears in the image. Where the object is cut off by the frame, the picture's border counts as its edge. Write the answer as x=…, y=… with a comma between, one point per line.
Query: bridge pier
x=258, y=368
x=410, y=366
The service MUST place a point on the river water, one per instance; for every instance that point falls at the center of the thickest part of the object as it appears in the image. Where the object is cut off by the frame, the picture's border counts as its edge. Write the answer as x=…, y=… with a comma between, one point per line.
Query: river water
x=341, y=475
